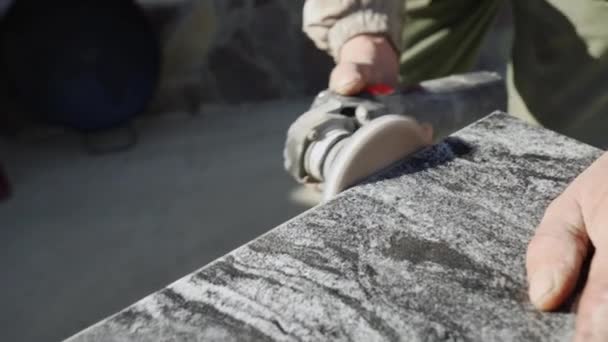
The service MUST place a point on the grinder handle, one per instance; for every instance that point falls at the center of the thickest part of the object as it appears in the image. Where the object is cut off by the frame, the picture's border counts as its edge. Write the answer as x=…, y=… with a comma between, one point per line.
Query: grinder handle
x=448, y=104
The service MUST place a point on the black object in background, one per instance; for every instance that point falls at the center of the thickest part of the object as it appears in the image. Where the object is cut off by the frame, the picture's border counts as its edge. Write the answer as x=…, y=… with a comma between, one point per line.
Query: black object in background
x=5, y=186
x=87, y=64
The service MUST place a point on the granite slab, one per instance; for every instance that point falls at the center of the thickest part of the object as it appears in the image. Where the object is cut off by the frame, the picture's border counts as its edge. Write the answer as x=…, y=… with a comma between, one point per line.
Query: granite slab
x=432, y=249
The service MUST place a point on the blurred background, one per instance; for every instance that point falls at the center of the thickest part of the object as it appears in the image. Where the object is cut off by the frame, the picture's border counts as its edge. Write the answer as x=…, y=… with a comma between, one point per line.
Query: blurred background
x=182, y=174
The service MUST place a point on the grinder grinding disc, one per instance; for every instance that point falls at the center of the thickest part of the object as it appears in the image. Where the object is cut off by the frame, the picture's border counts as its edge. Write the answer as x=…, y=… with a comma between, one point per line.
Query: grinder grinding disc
x=87, y=64
x=374, y=147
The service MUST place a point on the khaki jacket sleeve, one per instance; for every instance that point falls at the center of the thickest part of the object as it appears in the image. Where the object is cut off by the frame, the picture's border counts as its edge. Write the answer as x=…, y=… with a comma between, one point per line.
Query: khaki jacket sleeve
x=330, y=23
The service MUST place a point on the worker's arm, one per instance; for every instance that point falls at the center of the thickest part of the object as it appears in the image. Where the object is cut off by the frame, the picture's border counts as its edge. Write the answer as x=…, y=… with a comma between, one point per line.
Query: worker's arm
x=331, y=23
x=363, y=37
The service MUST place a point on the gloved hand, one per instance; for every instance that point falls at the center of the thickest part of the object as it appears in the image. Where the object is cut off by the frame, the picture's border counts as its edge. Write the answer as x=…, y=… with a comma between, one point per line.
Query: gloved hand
x=364, y=60
x=573, y=224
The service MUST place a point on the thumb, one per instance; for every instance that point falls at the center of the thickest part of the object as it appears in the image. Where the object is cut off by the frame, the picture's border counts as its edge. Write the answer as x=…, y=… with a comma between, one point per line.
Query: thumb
x=556, y=253
x=349, y=78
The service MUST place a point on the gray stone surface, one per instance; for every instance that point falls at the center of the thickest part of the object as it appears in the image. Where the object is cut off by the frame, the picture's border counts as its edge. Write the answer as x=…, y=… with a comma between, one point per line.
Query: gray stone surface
x=430, y=250
x=123, y=225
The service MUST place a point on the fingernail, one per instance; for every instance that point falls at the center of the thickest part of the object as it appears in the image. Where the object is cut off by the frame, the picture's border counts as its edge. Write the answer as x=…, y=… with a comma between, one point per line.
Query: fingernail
x=347, y=84
x=542, y=284
x=599, y=324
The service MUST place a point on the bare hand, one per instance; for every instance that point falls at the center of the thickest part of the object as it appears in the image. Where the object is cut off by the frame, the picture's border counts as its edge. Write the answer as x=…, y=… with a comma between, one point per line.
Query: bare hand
x=364, y=60
x=573, y=224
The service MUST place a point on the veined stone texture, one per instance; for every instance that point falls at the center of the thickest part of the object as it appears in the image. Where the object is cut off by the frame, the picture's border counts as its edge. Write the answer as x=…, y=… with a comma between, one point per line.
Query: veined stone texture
x=432, y=249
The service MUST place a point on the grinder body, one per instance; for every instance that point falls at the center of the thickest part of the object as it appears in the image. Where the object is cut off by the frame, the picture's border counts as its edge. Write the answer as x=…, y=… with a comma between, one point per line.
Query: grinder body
x=343, y=139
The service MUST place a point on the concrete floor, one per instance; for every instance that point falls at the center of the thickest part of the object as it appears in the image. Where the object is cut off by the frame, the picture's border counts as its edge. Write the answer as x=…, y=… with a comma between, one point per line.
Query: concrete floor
x=85, y=236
